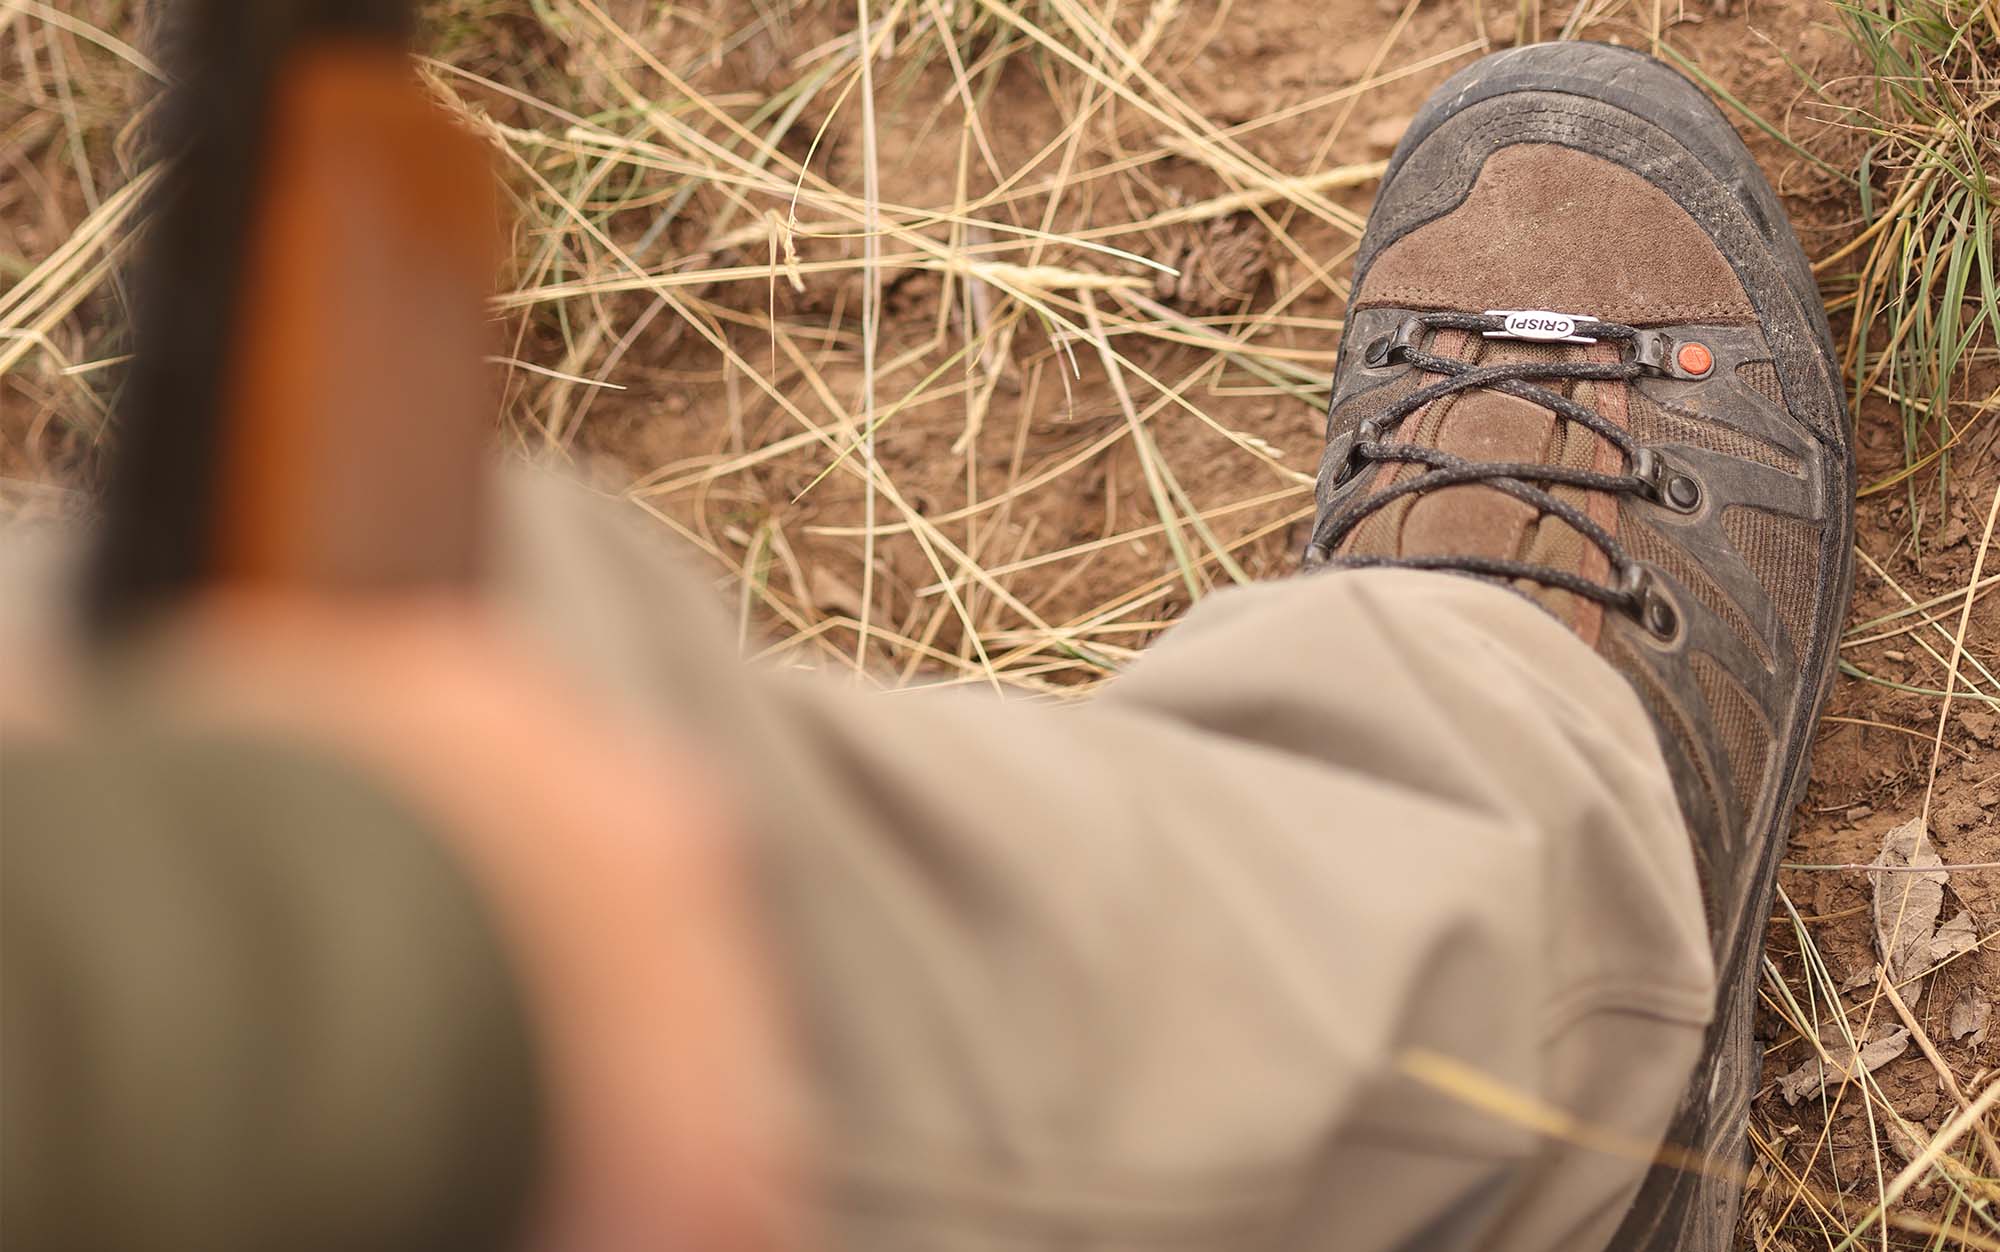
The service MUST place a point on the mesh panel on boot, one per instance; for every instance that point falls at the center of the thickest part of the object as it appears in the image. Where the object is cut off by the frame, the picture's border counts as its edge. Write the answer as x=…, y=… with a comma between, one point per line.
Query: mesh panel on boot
x=1762, y=378
x=1671, y=718
x=1655, y=423
x=1783, y=552
x=1746, y=739
x=1646, y=544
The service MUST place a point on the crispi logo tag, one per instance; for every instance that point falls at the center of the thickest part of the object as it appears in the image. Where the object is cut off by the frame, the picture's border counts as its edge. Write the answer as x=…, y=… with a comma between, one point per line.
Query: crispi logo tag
x=1540, y=325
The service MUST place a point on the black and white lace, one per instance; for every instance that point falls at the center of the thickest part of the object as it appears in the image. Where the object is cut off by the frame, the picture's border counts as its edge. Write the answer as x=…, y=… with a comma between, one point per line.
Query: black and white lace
x=1646, y=474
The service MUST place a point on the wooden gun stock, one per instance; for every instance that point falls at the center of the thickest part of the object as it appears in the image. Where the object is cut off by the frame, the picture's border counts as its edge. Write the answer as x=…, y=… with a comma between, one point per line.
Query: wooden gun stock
x=308, y=406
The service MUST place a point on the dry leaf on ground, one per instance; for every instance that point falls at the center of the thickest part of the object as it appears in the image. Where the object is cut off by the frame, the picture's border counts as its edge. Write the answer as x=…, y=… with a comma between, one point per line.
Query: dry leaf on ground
x=1970, y=1013
x=1839, y=1063
x=1907, y=903
x=1953, y=937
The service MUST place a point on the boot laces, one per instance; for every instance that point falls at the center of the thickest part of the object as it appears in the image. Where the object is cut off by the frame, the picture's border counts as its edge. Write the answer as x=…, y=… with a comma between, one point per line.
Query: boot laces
x=1634, y=587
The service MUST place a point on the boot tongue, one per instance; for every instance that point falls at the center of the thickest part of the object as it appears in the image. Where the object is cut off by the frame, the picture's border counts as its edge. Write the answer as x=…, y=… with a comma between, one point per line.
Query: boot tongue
x=1474, y=520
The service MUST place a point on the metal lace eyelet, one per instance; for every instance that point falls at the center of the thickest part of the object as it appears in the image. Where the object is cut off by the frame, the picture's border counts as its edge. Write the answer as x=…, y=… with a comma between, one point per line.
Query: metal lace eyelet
x=1661, y=618
x=1682, y=493
x=1341, y=452
x=1665, y=484
x=1340, y=461
x=1382, y=351
x=1650, y=603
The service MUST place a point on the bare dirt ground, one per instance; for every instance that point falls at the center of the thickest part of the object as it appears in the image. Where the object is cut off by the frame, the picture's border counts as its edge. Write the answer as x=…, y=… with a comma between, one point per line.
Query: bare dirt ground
x=1068, y=446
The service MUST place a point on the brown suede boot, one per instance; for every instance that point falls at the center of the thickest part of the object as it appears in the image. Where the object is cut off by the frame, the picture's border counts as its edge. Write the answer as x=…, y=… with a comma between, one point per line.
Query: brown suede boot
x=1585, y=358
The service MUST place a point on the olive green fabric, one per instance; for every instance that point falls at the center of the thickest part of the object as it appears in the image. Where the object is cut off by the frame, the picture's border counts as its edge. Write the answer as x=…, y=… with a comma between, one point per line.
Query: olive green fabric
x=246, y=1002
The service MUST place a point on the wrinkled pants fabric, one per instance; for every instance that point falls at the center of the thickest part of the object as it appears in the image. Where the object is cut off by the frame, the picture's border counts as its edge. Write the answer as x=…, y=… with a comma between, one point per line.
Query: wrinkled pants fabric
x=1306, y=932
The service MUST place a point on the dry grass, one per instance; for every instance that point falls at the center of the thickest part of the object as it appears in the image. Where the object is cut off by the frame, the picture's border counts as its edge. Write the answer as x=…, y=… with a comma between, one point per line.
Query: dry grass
x=974, y=340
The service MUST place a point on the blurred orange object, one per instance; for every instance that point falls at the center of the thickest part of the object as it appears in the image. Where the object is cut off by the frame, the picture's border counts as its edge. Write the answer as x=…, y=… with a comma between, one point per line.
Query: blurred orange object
x=355, y=413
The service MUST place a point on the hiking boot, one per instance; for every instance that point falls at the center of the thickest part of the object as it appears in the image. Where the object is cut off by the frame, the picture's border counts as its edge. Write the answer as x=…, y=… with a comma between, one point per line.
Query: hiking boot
x=1585, y=358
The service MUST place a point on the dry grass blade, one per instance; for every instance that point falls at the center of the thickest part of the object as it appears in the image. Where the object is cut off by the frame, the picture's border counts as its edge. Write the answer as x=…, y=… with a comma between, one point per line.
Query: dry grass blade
x=84, y=30
x=1951, y=668
x=1926, y=298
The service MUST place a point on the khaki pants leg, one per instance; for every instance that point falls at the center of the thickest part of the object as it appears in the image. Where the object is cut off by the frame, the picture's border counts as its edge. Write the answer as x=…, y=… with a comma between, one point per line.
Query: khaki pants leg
x=1150, y=971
